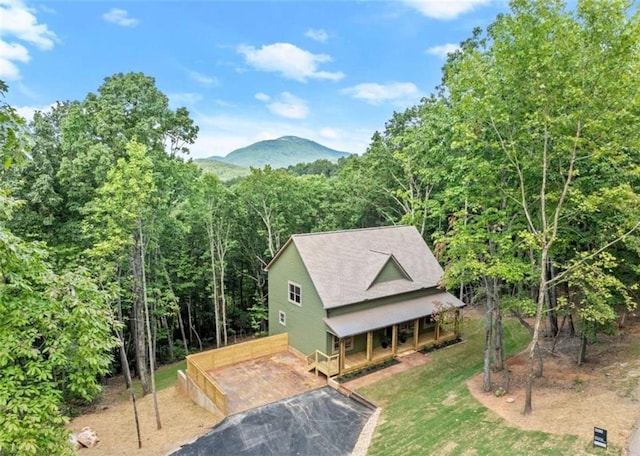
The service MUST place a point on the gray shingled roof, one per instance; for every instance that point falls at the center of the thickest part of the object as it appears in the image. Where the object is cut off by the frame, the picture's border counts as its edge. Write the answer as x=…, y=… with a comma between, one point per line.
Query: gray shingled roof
x=344, y=264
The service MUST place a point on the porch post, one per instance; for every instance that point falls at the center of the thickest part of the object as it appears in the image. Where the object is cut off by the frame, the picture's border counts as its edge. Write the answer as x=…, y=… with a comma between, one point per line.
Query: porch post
x=394, y=339
x=456, y=325
x=343, y=352
x=437, y=329
x=416, y=333
x=369, y=345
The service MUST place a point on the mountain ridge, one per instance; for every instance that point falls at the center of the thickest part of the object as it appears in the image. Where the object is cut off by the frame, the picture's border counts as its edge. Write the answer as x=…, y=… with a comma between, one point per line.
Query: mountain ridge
x=279, y=153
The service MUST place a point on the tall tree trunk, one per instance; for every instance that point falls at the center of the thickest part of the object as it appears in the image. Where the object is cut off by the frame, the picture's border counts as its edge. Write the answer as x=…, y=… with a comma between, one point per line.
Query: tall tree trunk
x=214, y=282
x=223, y=305
x=190, y=321
x=192, y=330
x=533, y=348
x=582, y=348
x=501, y=352
x=124, y=361
x=222, y=242
x=148, y=324
x=488, y=339
x=178, y=314
x=498, y=345
x=552, y=302
x=184, y=336
x=139, y=320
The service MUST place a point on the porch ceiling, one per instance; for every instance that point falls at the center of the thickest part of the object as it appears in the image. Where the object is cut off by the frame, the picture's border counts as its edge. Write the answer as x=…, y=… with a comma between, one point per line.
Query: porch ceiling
x=389, y=314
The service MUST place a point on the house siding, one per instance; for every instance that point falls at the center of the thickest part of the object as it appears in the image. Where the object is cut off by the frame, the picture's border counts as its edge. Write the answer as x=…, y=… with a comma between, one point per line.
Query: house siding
x=304, y=323
x=390, y=272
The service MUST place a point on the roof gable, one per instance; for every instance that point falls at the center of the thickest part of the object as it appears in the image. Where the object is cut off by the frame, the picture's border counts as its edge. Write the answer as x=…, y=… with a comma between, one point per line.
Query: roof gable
x=391, y=270
x=352, y=266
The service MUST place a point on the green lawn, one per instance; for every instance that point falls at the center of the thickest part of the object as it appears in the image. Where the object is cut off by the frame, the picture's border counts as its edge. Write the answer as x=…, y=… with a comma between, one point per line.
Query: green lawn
x=429, y=410
x=165, y=377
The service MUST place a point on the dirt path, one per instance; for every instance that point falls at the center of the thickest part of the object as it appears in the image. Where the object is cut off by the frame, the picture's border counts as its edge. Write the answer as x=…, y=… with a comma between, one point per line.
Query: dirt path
x=570, y=399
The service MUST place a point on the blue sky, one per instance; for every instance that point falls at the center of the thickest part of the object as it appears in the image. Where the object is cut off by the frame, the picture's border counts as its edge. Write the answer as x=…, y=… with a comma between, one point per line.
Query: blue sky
x=330, y=71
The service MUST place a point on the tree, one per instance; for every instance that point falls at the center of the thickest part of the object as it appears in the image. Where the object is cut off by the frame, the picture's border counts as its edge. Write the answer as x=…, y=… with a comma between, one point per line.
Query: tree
x=95, y=134
x=35, y=182
x=55, y=330
x=56, y=338
x=211, y=208
x=13, y=136
x=120, y=216
x=554, y=94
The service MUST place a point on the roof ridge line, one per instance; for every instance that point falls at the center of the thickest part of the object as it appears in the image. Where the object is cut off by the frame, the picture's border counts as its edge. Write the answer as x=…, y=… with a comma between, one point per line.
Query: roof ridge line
x=349, y=230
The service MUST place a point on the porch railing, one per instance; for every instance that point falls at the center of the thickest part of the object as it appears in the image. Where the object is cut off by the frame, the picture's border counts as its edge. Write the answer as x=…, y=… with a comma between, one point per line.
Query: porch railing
x=329, y=365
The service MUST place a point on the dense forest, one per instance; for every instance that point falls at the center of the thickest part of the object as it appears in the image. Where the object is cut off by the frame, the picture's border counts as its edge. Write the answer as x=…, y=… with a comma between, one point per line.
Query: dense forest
x=522, y=172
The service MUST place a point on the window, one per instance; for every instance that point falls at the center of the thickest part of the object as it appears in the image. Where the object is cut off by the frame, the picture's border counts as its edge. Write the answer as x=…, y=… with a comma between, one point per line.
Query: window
x=348, y=344
x=295, y=294
x=282, y=318
x=406, y=327
x=428, y=322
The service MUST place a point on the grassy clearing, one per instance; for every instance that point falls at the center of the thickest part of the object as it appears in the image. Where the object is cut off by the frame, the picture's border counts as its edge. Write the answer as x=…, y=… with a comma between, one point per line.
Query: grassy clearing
x=429, y=410
x=166, y=376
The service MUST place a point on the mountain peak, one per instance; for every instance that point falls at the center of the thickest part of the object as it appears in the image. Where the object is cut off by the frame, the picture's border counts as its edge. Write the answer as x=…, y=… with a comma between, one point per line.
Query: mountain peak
x=281, y=153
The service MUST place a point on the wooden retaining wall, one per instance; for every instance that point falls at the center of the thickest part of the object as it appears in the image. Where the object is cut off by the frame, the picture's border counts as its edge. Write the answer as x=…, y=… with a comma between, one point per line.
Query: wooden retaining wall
x=199, y=363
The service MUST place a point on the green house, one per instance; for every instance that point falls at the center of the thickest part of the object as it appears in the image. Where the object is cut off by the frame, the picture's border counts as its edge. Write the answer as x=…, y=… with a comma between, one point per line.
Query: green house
x=358, y=297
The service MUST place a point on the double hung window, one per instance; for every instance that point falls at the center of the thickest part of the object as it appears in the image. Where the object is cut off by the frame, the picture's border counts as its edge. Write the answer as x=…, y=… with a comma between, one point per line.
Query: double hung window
x=295, y=294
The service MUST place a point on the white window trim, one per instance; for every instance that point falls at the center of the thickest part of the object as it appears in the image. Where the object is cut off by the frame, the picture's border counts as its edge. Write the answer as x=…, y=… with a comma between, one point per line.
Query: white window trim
x=348, y=344
x=282, y=317
x=289, y=285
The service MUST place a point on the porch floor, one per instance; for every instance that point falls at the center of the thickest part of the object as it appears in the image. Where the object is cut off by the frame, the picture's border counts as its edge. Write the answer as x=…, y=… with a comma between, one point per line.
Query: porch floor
x=264, y=380
x=359, y=360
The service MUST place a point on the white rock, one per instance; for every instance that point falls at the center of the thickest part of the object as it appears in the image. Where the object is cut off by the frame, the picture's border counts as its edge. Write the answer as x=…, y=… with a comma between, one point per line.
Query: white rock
x=510, y=400
x=87, y=437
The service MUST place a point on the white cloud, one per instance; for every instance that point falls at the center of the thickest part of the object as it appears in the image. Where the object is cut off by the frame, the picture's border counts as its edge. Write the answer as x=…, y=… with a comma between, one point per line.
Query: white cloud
x=27, y=112
x=376, y=94
x=120, y=17
x=329, y=133
x=288, y=60
x=443, y=50
x=19, y=23
x=285, y=105
x=202, y=79
x=289, y=106
x=9, y=53
x=317, y=35
x=445, y=9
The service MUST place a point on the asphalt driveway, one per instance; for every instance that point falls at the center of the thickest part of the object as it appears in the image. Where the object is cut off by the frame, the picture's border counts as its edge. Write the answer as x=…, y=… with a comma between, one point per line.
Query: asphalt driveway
x=319, y=422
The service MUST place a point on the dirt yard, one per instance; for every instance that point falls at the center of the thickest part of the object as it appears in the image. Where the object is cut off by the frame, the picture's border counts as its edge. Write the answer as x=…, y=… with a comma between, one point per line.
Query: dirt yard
x=114, y=423
x=604, y=392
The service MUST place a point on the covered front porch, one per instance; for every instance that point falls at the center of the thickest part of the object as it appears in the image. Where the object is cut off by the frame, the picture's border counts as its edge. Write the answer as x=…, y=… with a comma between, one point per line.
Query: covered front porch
x=404, y=337
x=373, y=335
x=356, y=352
